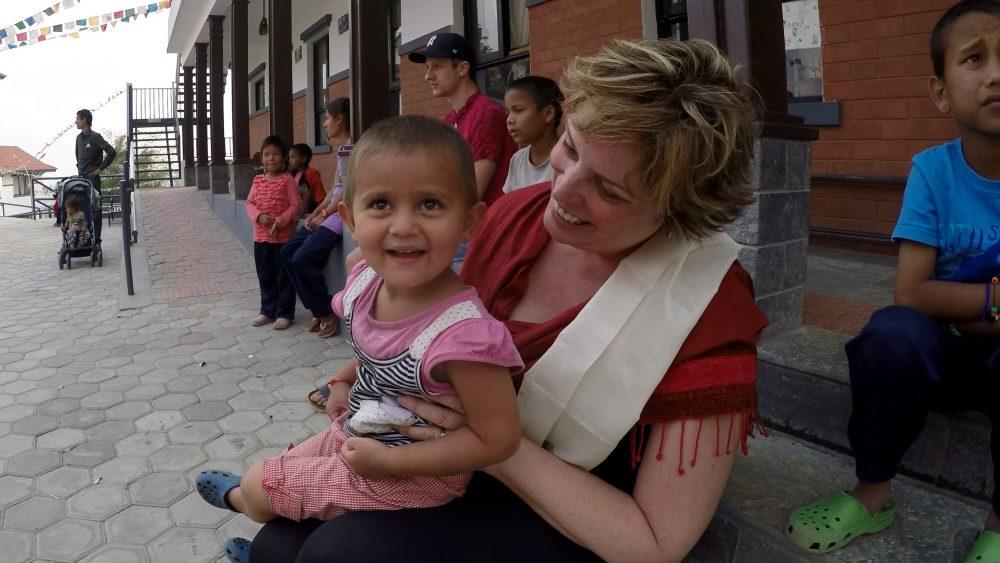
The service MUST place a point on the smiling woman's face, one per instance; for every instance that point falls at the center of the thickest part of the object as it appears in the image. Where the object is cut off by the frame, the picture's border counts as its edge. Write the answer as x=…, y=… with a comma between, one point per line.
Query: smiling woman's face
x=596, y=204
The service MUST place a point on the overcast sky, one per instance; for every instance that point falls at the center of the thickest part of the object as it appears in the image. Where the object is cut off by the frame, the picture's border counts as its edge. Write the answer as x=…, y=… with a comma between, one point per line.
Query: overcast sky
x=47, y=83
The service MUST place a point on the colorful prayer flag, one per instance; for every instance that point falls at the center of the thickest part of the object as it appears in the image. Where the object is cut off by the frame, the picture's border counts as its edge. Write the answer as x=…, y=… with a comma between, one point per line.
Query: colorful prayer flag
x=3, y=33
x=46, y=30
x=29, y=21
x=129, y=12
x=119, y=15
x=20, y=25
x=22, y=36
x=48, y=11
x=57, y=28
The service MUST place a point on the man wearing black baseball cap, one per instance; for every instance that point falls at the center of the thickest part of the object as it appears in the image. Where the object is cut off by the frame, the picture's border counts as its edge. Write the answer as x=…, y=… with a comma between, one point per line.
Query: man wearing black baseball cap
x=481, y=121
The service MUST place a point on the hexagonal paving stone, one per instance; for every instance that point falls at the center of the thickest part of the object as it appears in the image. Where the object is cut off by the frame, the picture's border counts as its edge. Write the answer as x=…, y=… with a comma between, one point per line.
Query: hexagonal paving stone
x=82, y=418
x=243, y=422
x=69, y=540
x=114, y=362
x=192, y=510
x=261, y=382
x=145, y=392
x=136, y=369
x=255, y=401
x=63, y=482
x=297, y=411
x=174, y=401
x=97, y=375
x=138, y=524
x=15, y=412
x=159, y=489
x=102, y=400
x=206, y=411
x=12, y=490
x=33, y=462
x=61, y=439
x=218, y=391
x=37, y=396
x=194, y=433
x=110, y=432
x=34, y=514
x=97, y=502
x=89, y=455
x=239, y=526
x=124, y=469
x=78, y=390
x=13, y=444
x=118, y=553
x=129, y=410
x=15, y=546
x=187, y=383
x=57, y=407
x=141, y=443
x=176, y=458
x=283, y=433
x=232, y=446
x=120, y=384
x=160, y=376
x=159, y=420
x=18, y=387
x=186, y=544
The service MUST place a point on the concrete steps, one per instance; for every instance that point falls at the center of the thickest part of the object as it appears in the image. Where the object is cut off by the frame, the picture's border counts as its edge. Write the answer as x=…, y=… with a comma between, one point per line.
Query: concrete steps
x=782, y=473
x=805, y=391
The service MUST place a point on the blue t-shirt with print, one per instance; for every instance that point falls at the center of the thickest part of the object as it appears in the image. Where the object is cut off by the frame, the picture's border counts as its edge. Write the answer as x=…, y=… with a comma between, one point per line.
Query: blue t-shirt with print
x=949, y=206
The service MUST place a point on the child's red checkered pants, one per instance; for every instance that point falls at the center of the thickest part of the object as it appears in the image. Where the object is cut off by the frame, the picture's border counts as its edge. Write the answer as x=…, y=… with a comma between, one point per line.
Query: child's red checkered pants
x=312, y=480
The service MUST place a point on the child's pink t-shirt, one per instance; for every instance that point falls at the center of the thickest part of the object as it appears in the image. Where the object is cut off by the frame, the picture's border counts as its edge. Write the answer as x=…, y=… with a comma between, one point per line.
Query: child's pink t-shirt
x=279, y=198
x=482, y=339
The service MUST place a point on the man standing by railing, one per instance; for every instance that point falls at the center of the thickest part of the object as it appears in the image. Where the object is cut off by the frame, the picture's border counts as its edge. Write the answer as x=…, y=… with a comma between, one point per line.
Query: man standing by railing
x=93, y=153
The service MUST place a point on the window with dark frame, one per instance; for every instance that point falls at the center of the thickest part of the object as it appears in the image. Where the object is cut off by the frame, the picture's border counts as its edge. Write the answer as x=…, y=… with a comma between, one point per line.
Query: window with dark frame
x=259, y=95
x=672, y=19
x=803, y=50
x=395, y=86
x=22, y=185
x=498, y=31
x=321, y=69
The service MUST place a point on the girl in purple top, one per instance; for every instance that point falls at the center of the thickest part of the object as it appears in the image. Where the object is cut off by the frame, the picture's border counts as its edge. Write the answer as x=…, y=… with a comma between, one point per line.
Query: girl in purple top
x=416, y=330
x=305, y=255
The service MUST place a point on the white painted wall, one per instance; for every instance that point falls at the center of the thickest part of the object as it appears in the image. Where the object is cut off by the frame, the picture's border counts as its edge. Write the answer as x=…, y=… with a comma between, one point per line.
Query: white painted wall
x=7, y=196
x=340, y=44
x=420, y=17
x=257, y=44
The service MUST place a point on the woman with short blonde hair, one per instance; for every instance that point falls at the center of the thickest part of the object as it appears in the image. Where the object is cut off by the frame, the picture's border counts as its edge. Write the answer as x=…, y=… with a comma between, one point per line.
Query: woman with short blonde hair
x=636, y=323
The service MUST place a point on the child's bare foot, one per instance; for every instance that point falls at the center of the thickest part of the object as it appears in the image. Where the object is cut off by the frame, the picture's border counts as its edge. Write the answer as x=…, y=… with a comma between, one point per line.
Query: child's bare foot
x=872, y=495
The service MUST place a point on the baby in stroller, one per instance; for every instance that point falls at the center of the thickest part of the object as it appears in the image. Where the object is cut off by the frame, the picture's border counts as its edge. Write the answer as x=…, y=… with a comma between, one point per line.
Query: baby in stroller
x=75, y=231
x=80, y=216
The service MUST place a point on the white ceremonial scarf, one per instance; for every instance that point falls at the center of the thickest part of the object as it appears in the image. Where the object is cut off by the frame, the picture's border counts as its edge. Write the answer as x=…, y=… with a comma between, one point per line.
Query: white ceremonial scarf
x=587, y=391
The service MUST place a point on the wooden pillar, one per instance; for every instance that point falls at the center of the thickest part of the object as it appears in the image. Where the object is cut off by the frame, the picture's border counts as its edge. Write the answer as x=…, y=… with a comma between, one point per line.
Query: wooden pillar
x=751, y=33
x=279, y=68
x=369, y=64
x=201, y=113
x=240, y=97
x=217, y=90
x=187, y=126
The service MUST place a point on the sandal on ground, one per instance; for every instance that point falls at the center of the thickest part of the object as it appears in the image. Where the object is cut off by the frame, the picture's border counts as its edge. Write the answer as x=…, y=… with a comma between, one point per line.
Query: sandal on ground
x=328, y=327
x=313, y=325
x=213, y=486
x=834, y=523
x=237, y=550
x=321, y=392
x=986, y=550
x=282, y=323
x=262, y=320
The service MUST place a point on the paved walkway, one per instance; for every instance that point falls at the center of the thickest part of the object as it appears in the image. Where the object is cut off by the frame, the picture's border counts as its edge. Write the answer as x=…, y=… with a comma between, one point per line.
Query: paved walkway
x=106, y=416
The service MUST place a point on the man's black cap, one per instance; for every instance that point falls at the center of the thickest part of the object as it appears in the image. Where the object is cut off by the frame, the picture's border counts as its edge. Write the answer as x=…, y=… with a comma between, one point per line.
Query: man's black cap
x=445, y=46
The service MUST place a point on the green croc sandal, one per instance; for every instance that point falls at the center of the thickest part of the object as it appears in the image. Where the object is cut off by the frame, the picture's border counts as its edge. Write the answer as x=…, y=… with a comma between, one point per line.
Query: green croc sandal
x=986, y=550
x=834, y=523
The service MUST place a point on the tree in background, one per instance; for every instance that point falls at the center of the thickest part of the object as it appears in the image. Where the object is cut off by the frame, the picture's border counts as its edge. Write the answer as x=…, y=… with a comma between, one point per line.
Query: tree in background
x=145, y=161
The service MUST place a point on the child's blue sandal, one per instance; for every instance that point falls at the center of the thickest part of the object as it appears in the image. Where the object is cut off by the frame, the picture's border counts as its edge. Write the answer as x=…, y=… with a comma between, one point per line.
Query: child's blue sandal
x=237, y=550
x=213, y=486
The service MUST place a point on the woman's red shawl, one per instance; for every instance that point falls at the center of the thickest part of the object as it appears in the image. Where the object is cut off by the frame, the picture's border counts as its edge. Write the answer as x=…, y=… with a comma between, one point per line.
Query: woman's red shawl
x=714, y=372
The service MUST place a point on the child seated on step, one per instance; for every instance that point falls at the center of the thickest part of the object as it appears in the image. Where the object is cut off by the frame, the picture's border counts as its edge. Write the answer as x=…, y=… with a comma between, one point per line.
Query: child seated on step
x=935, y=348
x=75, y=231
x=534, y=110
x=273, y=205
x=417, y=330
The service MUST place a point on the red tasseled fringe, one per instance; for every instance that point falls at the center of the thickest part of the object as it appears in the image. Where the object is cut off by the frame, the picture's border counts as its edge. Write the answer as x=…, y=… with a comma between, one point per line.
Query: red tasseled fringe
x=749, y=426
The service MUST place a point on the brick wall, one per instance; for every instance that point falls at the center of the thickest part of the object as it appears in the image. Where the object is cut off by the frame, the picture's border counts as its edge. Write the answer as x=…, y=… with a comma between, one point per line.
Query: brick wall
x=299, y=118
x=876, y=63
x=260, y=128
x=415, y=93
x=561, y=29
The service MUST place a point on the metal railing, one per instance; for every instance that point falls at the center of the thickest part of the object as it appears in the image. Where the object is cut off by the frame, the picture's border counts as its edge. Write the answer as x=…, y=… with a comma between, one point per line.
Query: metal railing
x=43, y=206
x=154, y=103
x=125, y=189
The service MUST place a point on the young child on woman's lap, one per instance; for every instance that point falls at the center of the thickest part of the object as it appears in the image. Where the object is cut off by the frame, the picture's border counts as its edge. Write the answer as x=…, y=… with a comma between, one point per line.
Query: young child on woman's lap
x=416, y=329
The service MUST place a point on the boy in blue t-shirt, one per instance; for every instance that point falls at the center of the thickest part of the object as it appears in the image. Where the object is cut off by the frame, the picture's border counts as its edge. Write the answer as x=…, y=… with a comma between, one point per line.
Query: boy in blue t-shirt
x=934, y=348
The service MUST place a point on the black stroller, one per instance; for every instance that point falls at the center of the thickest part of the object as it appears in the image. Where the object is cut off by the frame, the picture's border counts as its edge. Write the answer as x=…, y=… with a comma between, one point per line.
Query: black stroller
x=76, y=245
